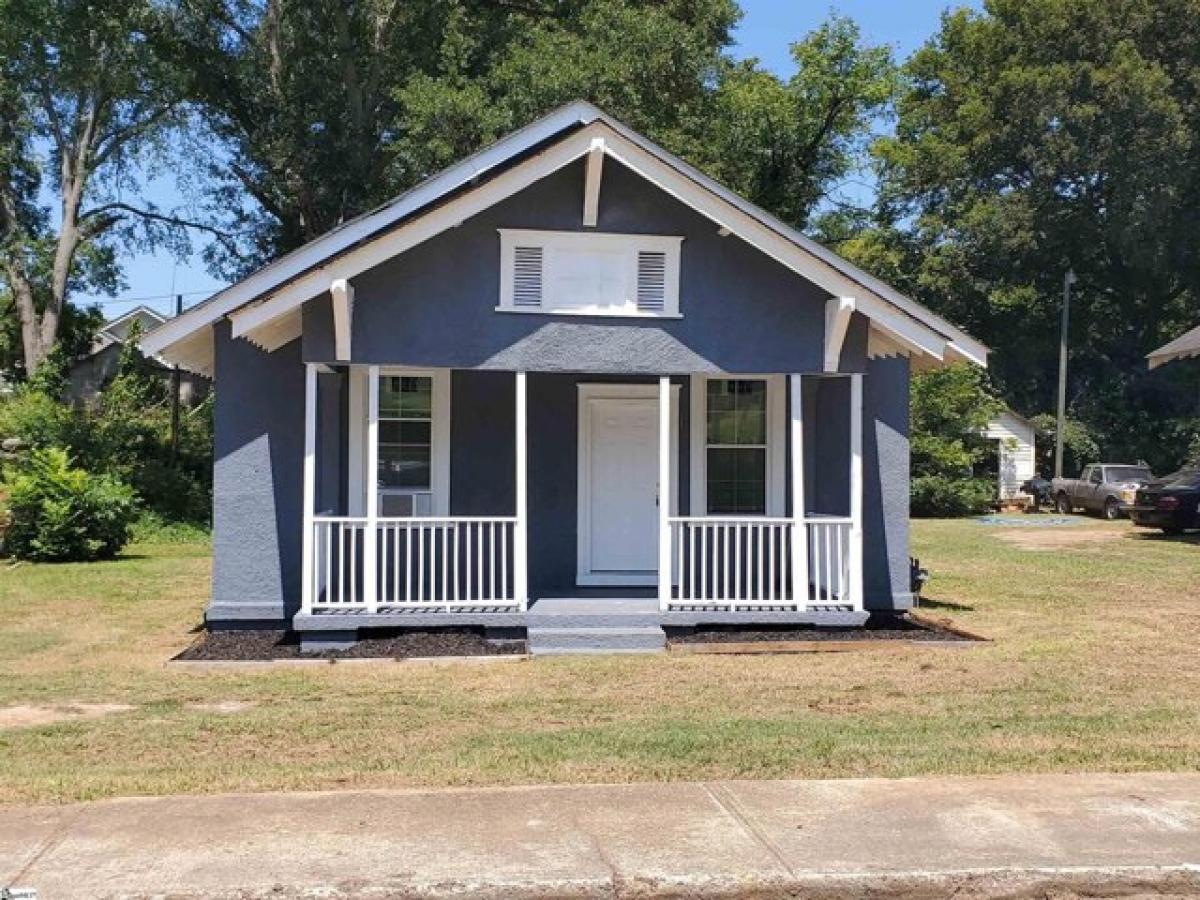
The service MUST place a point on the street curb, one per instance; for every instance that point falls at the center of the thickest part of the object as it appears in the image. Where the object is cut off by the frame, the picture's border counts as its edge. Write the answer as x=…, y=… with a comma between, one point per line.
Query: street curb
x=967, y=884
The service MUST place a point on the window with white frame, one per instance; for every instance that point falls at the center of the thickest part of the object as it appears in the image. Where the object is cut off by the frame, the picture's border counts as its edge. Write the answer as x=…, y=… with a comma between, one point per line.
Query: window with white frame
x=405, y=476
x=589, y=273
x=736, y=446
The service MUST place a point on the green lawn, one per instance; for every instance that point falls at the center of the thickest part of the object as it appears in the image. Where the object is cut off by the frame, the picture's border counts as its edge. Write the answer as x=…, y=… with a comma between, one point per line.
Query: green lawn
x=1095, y=665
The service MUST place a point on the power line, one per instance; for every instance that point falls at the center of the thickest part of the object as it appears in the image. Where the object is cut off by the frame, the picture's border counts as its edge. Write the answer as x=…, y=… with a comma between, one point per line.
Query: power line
x=151, y=297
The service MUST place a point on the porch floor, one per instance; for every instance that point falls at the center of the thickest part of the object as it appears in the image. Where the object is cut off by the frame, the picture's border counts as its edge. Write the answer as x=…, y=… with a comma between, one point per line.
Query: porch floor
x=575, y=612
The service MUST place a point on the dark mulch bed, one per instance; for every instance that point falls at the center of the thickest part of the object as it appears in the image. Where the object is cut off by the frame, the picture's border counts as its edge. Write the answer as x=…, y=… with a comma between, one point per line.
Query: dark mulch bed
x=254, y=644
x=879, y=627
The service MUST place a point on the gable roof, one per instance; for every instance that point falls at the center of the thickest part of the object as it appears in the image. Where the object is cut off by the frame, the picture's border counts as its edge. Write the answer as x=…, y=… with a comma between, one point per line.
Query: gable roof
x=116, y=331
x=265, y=305
x=1187, y=344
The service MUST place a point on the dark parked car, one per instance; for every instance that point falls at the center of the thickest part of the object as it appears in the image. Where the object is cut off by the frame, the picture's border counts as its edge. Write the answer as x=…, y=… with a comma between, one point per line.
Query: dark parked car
x=1171, y=503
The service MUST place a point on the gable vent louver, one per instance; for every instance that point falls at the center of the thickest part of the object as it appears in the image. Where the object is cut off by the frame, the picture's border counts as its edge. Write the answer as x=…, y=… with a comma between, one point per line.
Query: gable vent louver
x=527, y=276
x=651, y=280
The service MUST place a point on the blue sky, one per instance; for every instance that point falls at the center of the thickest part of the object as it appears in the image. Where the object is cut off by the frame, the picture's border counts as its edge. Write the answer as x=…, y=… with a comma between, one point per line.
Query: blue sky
x=766, y=31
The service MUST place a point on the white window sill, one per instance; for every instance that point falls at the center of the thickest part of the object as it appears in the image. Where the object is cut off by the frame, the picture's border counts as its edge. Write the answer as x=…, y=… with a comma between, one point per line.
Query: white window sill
x=636, y=314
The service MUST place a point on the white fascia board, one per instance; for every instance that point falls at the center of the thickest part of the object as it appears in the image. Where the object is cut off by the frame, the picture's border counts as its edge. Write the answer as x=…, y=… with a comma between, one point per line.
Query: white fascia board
x=356, y=230
x=1187, y=344
x=784, y=250
x=962, y=343
x=420, y=229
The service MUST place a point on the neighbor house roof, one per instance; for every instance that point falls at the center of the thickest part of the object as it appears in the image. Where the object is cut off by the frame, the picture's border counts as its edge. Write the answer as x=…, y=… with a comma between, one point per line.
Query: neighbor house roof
x=265, y=306
x=1187, y=344
x=115, y=331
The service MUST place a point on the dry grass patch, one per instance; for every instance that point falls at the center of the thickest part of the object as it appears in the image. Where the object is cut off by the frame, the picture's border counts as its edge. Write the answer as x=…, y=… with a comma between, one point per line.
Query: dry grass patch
x=1094, y=665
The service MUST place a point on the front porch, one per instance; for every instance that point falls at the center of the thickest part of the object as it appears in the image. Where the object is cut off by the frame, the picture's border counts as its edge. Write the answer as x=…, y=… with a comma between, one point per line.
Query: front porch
x=385, y=544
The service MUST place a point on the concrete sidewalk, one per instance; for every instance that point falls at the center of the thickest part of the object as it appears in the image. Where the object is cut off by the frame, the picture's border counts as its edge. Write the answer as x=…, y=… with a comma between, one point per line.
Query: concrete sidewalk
x=1008, y=836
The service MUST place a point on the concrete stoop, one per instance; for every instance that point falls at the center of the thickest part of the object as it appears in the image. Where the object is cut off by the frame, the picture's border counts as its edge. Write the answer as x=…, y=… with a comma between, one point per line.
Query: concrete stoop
x=576, y=625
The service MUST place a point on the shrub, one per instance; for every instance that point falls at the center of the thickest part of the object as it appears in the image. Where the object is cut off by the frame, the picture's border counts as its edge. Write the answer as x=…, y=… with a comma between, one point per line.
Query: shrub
x=60, y=513
x=942, y=496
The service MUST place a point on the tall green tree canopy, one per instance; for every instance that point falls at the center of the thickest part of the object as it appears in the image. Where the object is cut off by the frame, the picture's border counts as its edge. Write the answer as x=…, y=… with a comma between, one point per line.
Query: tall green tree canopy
x=1042, y=134
x=85, y=102
x=322, y=110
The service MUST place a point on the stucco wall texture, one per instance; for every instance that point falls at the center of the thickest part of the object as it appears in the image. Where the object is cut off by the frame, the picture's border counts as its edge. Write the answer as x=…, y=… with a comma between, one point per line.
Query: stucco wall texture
x=435, y=306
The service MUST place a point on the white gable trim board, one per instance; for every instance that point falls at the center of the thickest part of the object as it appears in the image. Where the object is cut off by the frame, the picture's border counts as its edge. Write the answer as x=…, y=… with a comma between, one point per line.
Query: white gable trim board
x=1186, y=345
x=265, y=307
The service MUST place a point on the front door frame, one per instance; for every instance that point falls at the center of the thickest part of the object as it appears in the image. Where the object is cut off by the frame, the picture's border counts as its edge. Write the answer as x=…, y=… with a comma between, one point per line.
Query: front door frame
x=584, y=576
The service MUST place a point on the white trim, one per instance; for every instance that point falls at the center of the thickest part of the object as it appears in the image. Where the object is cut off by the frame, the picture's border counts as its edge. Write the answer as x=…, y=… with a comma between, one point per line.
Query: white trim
x=341, y=295
x=365, y=243
x=371, y=538
x=370, y=224
x=439, y=449
x=667, y=428
x=799, y=530
x=591, y=183
x=584, y=576
x=555, y=242
x=776, y=442
x=521, y=529
x=1187, y=344
x=631, y=314
x=856, y=491
x=420, y=229
x=308, y=500
x=356, y=441
x=838, y=312
x=312, y=266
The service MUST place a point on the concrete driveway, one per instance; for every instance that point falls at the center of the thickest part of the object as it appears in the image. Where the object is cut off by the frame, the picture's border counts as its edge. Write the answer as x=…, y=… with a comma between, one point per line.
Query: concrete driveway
x=1012, y=836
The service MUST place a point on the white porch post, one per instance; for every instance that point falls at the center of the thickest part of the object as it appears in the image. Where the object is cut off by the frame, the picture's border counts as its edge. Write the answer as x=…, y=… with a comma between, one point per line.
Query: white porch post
x=799, y=529
x=370, y=580
x=664, y=492
x=520, y=529
x=308, y=572
x=856, y=491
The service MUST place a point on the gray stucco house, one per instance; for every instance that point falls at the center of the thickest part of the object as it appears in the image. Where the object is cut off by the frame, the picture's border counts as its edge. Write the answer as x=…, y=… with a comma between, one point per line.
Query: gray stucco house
x=570, y=366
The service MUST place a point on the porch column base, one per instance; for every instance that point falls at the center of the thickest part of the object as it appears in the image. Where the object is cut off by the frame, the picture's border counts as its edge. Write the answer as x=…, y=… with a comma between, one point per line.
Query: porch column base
x=320, y=641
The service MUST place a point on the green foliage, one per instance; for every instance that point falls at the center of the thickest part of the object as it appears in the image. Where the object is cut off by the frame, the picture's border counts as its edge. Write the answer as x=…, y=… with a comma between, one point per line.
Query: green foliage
x=125, y=434
x=944, y=497
x=1039, y=134
x=152, y=528
x=60, y=513
x=949, y=409
x=85, y=103
x=325, y=109
x=784, y=144
x=1079, y=445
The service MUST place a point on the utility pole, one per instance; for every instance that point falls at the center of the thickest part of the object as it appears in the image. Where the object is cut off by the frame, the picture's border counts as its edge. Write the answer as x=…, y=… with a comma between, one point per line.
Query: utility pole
x=175, y=386
x=1068, y=280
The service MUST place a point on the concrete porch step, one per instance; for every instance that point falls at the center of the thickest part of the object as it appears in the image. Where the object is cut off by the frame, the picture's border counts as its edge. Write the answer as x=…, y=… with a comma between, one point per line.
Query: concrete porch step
x=549, y=641
x=593, y=612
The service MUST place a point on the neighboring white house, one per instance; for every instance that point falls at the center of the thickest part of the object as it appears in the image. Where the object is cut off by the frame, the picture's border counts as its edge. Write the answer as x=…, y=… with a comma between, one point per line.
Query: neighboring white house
x=1016, y=436
x=1187, y=344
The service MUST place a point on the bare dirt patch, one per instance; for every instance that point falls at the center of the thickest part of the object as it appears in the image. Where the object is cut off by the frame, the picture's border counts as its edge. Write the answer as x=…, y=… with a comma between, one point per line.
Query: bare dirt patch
x=1076, y=537
x=31, y=716
x=224, y=707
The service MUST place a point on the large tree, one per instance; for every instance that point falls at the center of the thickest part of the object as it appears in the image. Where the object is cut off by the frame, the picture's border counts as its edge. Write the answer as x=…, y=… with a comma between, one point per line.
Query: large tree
x=83, y=99
x=1038, y=135
x=321, y=110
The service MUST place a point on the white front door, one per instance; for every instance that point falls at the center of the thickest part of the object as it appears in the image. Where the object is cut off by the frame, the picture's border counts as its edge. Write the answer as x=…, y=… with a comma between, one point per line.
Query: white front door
x=618, y=484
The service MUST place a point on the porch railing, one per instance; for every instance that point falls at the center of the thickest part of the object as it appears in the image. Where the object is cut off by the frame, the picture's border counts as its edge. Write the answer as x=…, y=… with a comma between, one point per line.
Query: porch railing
x=438, y=563
x=747, y=563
